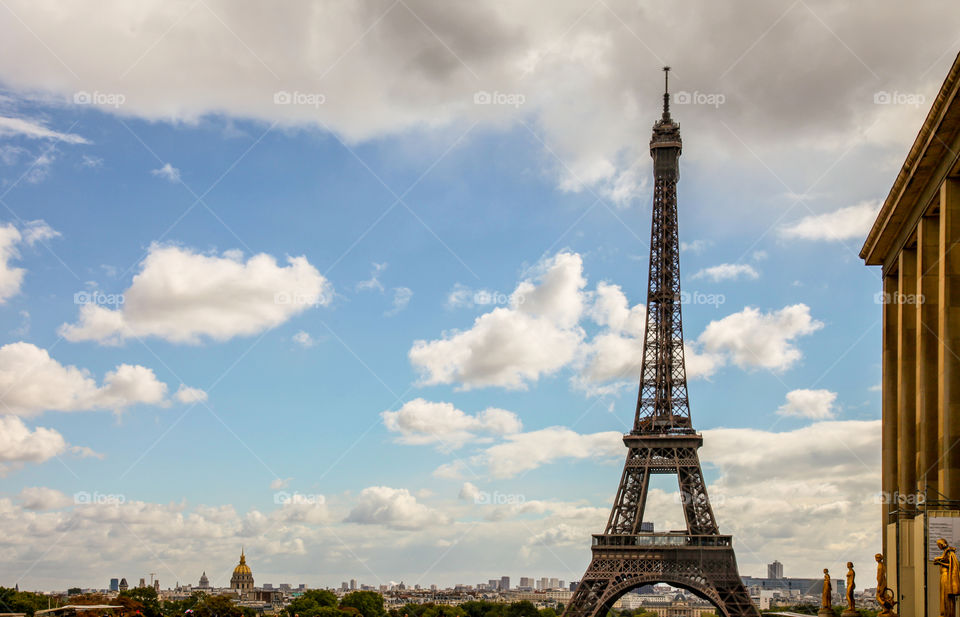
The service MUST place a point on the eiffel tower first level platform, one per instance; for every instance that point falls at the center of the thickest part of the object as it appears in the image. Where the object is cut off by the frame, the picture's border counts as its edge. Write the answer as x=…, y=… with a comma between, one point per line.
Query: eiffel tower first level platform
x=663, y=441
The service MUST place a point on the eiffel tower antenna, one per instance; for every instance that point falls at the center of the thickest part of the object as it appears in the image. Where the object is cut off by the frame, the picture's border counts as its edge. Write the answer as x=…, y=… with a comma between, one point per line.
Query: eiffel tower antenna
x=627, y=554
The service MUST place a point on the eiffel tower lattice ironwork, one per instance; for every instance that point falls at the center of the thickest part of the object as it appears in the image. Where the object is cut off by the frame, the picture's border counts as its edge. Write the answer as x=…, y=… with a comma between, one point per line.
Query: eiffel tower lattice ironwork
x=662, y=441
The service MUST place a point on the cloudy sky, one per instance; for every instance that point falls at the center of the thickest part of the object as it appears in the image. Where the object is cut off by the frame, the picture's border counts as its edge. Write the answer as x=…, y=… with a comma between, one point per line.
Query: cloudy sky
x=359, y=285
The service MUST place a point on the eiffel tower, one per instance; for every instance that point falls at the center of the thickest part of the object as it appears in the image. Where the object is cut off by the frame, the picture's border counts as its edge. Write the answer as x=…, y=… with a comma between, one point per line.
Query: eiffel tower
x=662, y=441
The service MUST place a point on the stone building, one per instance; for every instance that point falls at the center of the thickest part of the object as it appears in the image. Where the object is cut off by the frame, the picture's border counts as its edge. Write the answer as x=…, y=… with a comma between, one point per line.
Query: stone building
x=916, y=242
x=242, y=579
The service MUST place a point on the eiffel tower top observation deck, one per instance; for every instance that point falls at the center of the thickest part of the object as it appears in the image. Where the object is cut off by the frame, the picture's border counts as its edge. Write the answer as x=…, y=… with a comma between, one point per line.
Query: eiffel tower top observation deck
x=662, y=404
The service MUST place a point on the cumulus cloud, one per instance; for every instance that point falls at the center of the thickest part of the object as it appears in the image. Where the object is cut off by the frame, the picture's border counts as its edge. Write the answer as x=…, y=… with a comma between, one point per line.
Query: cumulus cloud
x=615, y=352
x=35, y=130
x=186, y=297
x=424, y=65
x=814, y=404
x=32, y=382
x=522, y=452
x=19, y=444
x=168, y=172
x=43, y=498
x=512, y=346
x=751, y=339
x=727, y=272
x=851, y=222
x=11, y=277
x=186, y=394
x=421, y=422
x=395, y=508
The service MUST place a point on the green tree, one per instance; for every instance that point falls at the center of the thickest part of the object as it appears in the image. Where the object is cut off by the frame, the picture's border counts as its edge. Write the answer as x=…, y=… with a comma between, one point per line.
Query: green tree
x=367, y=603
x=217, y=606
x=147, y=597
x=13, y=601
x=310, y=603
x=548, y=612
x=523, y=608
x=443, y=610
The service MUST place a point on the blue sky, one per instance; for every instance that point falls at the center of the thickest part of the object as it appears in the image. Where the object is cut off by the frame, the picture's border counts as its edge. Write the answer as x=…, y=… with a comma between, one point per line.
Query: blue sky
x=344, y=433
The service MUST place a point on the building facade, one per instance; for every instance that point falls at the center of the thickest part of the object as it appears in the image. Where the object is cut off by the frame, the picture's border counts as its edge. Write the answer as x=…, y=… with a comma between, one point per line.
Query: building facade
x=242, y=579
x=915, y=242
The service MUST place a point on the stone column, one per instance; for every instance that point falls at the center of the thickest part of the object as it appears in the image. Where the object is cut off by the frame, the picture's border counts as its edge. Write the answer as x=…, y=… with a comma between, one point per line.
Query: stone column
x=907, y=374
x=927, y=293
x=948, y=353
x=889, y=393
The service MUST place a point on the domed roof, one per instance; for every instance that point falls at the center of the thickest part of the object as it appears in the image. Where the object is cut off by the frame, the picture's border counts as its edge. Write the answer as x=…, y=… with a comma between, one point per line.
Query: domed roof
x=242, y=567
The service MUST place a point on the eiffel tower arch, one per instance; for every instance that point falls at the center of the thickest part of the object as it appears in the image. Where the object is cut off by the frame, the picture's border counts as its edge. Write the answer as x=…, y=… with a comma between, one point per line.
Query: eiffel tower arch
x=663, y=441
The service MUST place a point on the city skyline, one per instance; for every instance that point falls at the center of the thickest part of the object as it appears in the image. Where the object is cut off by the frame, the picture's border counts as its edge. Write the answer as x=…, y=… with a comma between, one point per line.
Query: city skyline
x=362, y=292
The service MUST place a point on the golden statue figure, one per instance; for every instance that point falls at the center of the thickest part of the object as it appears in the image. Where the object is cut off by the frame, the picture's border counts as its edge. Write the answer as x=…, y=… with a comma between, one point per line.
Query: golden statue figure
x=826, y=603
x=851, y=609
x=885, y=595
x=949, y=578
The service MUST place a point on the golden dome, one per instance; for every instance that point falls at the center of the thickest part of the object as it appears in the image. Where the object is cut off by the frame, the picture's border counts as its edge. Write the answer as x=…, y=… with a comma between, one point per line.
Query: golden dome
x=242, y=567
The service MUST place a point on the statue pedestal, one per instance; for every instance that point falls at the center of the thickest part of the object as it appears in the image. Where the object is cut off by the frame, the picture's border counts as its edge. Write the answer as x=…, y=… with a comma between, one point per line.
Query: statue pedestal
x=826, y=612
x=850, y=613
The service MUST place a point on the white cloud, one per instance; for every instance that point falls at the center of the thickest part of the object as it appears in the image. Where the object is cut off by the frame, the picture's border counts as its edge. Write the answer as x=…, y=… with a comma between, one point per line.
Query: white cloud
x=374, y=281
x=814, y=404
x=168, y=172
x=280, y=483
x=851, y=222
x=43, y=498
x=38, y=231
x=510, y=347
x=727, y=272
x=421, y=422
x=522, y=452
x=614, y=354
x=696, y=246
x=186, y=394
x=395, y=508
x=18, y=444
x=32, y=382
x=304, y=339
x=185, y=297
x=10, y=277
x=36, y=130
x=401, y=298
x=751, y=339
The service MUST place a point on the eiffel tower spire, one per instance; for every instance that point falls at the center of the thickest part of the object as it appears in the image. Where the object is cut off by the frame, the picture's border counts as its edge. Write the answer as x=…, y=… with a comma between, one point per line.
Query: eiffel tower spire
x=662, y=404
x=627, y=555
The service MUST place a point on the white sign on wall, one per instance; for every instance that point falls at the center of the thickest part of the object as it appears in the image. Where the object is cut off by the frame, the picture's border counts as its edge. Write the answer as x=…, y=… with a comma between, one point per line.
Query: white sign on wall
x=946, y=527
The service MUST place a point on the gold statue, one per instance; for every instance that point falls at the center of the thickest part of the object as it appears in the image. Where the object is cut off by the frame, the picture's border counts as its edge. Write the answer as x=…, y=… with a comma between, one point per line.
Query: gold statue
x=949, y=578
x=851, y=610
x=826, y=603
x=885, y=595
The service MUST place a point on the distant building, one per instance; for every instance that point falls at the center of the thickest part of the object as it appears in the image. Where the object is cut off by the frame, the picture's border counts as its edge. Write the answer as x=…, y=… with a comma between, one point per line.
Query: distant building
x=204, y=581
x=353, y=584
x=775, y=570
x=345, y=586
x=646, y=527
x=143, y=582
x=114, y=584
x=526, y=583
x=493, y=584
x=573, y=585
x=156, y=585
x=123, y=584
x=242, y=579
x=504, y=583
x=554, y=583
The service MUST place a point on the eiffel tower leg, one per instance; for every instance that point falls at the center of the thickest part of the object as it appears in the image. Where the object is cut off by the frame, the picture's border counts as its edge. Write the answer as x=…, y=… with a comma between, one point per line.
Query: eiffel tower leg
x=628, y=505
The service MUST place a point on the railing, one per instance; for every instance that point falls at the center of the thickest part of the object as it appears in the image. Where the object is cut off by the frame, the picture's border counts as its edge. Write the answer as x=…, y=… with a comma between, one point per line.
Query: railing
x=661, y=539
